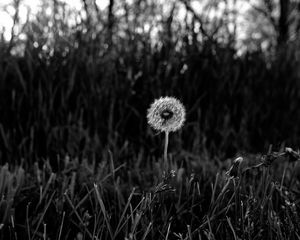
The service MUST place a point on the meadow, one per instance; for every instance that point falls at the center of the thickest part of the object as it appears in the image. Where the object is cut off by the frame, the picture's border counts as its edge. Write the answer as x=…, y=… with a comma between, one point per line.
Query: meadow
x=79, y=160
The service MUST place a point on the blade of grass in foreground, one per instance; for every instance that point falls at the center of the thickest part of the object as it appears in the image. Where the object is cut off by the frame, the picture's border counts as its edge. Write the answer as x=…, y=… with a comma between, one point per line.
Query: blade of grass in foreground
x=124, y=212
x=147, y=231
x=103, y=210
x=76, y=213
x=43, y=214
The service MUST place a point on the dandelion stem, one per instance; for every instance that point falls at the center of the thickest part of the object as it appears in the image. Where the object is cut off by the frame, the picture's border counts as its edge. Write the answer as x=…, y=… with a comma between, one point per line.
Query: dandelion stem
x=166, y=150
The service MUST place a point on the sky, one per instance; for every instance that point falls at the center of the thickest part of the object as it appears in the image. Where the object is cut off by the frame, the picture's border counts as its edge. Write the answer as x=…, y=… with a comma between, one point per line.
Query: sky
x=6, y=11
x=6, y=20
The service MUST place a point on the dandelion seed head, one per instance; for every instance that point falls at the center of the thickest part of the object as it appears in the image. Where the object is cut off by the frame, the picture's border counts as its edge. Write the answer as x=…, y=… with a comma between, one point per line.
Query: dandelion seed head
x=166, y=114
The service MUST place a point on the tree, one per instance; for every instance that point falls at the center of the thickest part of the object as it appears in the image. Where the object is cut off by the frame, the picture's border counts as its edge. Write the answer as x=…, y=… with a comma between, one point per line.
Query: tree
x=283, y=23
x=282, y=15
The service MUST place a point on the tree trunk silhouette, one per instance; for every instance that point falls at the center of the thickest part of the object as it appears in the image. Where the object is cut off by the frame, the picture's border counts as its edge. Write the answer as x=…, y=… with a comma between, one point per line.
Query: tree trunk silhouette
x=110, y=22
x=298, y=22
x=283, y=23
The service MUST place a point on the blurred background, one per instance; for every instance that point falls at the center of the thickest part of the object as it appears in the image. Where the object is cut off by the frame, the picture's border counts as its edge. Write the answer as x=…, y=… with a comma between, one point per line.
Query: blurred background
x=77, y=77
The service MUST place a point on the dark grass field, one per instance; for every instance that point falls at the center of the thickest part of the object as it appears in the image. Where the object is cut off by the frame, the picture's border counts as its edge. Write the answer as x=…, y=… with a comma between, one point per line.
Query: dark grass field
x=79, y=161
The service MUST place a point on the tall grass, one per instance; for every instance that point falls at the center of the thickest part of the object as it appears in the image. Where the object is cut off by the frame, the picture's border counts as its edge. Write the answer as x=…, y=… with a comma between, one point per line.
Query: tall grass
x=78, y=103
x=72, y=93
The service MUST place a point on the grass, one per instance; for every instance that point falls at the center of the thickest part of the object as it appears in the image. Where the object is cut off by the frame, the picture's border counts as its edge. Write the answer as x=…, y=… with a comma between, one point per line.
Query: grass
x=90, y=201
x=96, y=173
x=78, y=160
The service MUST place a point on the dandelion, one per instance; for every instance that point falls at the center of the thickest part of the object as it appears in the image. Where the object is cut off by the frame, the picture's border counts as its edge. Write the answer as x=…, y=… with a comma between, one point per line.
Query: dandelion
x=234, y=169
x=166, y=114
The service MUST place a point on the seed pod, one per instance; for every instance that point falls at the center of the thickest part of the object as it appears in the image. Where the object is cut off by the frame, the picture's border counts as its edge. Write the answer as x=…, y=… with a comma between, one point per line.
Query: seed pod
x=166, y=114
x=234, y=169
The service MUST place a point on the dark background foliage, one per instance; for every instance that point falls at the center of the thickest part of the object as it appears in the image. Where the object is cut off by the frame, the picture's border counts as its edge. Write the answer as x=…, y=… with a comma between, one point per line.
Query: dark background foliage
x=88, y=88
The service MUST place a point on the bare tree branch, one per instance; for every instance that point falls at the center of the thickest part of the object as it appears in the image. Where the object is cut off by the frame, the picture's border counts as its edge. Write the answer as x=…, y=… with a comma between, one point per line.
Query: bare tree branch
x=199, y=19
x=88, y=18
x=16, y=5
x=267, y=14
